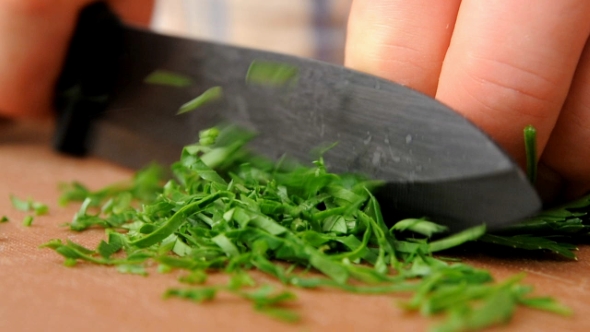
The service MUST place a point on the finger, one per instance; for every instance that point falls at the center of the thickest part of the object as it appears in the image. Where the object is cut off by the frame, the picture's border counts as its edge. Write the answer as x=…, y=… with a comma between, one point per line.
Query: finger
x=568, y=149
x=33, y=39
x=510, y=63
x=34, y=35
x=134, y=11
x=404, y=41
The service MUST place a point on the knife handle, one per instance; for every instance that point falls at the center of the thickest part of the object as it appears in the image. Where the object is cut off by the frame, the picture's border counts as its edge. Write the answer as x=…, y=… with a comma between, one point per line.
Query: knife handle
x=87, y=78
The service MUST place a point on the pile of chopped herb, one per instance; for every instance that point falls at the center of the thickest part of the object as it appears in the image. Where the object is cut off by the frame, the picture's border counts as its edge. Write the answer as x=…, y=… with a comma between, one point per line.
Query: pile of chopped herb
x=229, y=210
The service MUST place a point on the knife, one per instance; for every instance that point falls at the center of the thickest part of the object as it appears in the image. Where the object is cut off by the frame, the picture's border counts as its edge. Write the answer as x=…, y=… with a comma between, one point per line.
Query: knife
x=434, y=162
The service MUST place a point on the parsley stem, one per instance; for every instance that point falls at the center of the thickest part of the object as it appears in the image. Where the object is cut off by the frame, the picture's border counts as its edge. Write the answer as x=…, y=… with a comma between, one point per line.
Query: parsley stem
x=530, y=145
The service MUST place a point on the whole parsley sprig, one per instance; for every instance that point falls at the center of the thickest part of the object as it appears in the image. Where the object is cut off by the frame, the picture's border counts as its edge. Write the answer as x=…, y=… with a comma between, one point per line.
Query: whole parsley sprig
x=555, y=230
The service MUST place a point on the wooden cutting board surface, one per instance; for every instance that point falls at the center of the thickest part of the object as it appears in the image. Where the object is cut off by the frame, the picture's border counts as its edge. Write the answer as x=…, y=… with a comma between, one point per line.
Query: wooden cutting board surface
x=37, y=293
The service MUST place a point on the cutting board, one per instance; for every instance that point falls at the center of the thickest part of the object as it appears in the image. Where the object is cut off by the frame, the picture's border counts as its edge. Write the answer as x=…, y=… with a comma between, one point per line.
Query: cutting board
x=38, y=293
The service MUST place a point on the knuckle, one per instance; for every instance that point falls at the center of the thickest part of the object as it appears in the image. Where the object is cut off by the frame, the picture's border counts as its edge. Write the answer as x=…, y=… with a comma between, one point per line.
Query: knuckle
x=512, y=87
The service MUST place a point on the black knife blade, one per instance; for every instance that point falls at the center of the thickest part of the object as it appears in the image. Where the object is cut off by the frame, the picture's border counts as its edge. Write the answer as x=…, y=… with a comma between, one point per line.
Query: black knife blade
x=435, y=163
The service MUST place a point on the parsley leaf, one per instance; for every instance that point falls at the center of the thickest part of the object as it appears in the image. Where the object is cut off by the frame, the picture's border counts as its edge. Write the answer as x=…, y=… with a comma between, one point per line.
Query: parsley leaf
x=166, y=77
x=29, y=205
x=269, y=73
x=28, y=221
x=210, y=95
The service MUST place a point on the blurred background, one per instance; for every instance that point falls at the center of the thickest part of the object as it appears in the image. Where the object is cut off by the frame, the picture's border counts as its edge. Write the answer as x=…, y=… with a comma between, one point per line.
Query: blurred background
x=308, y=28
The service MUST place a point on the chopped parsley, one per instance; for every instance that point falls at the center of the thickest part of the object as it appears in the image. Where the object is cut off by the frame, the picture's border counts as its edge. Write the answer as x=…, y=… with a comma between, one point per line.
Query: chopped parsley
x=29, y=205
x=28, y=221
x=270, y=73
x=169, y=78
x=210, y=95
x=229, y=210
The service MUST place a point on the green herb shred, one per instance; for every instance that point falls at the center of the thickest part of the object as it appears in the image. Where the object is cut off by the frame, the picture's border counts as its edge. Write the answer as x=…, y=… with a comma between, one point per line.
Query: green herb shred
x=229, y=210
x=169, y=78
x=270, y=73
x=19, y=204
x=29, y=205
x=210, y=95
x=28, y=221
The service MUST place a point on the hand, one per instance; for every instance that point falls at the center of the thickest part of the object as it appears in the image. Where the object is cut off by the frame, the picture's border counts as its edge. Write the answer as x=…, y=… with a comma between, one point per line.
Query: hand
x=503, y=64
x=34, y=36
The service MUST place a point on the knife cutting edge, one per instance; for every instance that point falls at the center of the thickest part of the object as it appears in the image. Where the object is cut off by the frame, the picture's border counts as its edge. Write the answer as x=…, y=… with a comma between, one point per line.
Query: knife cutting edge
x=435, y=162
